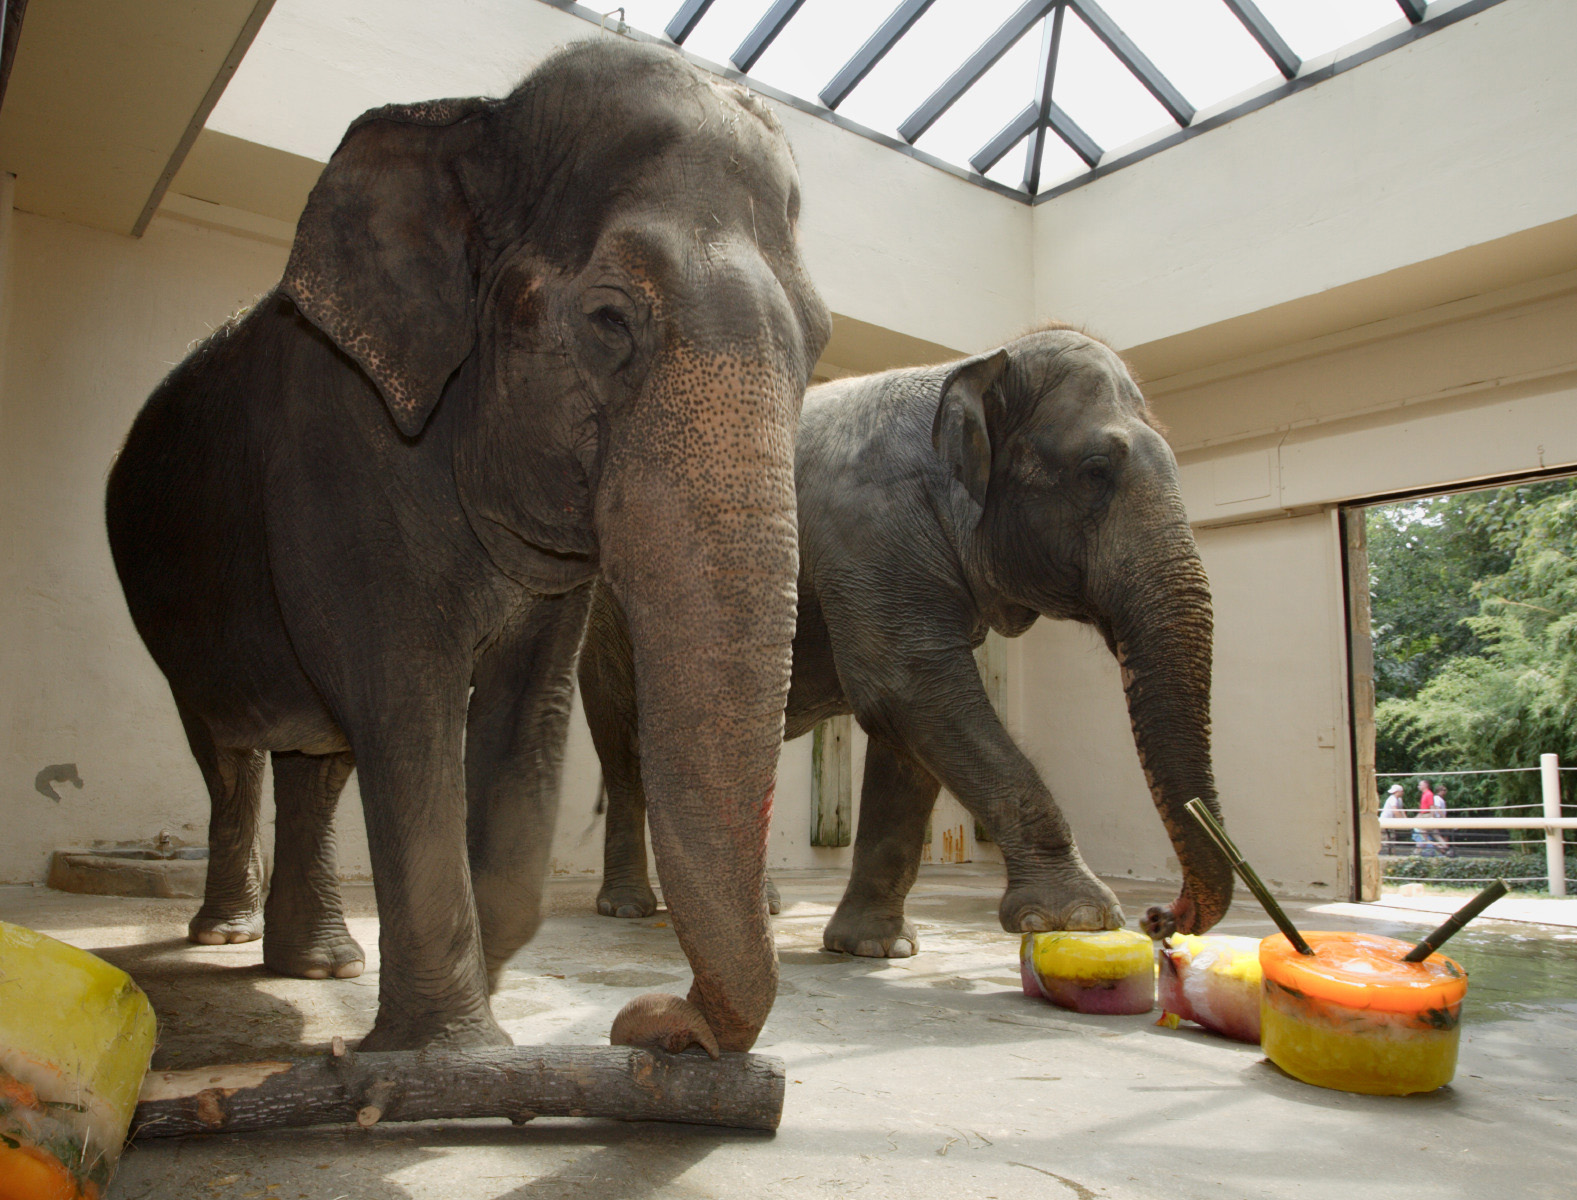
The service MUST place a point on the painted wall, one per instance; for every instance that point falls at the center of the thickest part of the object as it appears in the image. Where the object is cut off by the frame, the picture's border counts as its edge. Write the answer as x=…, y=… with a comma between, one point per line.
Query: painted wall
x=1457, y=139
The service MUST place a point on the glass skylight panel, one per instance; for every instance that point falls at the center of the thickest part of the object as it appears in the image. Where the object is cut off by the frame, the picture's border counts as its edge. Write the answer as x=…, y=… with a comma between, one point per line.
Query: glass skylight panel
x=1201, y=57
x=813, y=47
x=938, y=44
x=1100, y=93
x=1197, y=44
x=1001, y=93
x=725, y=25
x=1316, y=27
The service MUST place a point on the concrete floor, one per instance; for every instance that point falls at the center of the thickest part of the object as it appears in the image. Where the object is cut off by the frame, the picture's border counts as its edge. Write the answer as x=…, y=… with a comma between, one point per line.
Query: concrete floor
x=931, y=1076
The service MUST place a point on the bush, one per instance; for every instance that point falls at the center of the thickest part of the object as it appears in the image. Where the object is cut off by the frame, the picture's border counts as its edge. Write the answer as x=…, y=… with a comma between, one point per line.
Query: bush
x=1471, y=872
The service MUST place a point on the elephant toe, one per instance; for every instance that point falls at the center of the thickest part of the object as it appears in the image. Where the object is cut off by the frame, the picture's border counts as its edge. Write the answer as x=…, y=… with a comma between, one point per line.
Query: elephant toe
x=871, y=937
x=225, y=928
x=626, y=902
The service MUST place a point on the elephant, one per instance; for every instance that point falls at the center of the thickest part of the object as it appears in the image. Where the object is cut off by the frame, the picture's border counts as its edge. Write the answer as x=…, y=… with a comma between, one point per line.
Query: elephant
x=937, y=503
x=520, y=344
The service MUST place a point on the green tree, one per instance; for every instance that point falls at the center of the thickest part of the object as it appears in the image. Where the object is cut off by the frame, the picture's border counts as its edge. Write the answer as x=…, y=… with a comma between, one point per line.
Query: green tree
x=1506, y=691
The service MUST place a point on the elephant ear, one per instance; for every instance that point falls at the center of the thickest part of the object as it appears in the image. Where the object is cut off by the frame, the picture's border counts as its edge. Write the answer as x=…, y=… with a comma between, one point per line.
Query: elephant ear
x=961, y=431
x=382, y=257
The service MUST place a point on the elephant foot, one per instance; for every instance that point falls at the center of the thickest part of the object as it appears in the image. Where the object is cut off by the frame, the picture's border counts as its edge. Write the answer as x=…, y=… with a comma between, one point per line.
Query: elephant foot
x=216, y=927
x=626, y=900
x=1076, y=901
x=328, y=954
x=659, y=1021
x=870, y=934
x=774, y=901
x=434, y=1031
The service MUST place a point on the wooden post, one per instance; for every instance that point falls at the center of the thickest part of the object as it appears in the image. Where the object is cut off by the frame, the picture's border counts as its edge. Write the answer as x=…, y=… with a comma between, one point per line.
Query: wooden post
x=742, y=1091
x=832, y=782
x=1360, y=643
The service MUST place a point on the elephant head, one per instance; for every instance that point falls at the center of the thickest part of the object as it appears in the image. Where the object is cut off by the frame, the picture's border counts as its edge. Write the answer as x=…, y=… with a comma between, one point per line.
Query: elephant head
x=1074, y=512
x=598, y=278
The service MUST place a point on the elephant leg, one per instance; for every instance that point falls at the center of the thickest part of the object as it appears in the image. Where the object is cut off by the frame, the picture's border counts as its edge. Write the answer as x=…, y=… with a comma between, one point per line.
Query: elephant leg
x=304, y=930
x=607, y=689
x=515, y=731
x=950, y=726
x=232, y=908
x=896, y=798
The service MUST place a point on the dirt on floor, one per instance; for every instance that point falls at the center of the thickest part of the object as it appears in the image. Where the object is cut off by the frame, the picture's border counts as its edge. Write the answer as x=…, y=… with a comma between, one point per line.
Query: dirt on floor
x=929, y=1076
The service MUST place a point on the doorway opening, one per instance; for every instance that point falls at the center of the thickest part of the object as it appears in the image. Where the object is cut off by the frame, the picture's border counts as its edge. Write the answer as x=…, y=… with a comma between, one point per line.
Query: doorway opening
x=1462, y=647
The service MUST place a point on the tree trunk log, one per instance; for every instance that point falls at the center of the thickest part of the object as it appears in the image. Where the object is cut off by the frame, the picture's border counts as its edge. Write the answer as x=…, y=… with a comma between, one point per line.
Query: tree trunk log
x=743, y=1091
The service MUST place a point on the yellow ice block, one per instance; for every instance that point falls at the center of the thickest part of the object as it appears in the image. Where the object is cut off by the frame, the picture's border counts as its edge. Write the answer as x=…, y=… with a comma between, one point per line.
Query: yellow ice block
x=1354, y=1017
x=75, y=1038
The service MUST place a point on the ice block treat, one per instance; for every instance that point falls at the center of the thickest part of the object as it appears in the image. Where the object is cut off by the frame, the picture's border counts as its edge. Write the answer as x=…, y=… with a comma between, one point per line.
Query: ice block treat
x=1213, y=981
x=75, y=1037
x=1110, y=971
x=1356, y=1018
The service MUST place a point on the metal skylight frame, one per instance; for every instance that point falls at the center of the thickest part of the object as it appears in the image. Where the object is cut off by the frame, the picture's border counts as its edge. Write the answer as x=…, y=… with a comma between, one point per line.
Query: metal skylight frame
x=1041, y=115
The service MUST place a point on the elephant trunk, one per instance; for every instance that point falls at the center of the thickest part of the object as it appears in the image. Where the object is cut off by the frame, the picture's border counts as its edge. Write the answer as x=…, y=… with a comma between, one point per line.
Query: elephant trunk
x=1161, y=630
x=711, y=610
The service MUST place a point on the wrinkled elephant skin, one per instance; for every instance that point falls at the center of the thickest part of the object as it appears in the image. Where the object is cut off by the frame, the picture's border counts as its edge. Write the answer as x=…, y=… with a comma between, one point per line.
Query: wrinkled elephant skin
x=936, y=504
x=359, y=527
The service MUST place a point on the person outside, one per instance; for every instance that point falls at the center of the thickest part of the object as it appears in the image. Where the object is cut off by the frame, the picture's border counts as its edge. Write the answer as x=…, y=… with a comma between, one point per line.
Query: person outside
x=1440, y=839
x=1423, y=843
x=1394, y=806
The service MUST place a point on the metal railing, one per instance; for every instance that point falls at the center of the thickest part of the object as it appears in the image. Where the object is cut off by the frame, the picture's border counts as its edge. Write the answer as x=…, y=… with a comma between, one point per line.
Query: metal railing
x=1552, y=822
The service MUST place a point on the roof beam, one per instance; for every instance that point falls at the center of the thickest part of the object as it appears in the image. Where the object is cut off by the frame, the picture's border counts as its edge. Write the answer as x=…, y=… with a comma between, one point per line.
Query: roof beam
x=1414, y=9
x=1133, y=58
x=685, y=20
x=763, y=35
x=1050, y=41
x=1023, y=124
x=875, y=49
x=981, y=61
x=1265, y=34
x=1010, y=135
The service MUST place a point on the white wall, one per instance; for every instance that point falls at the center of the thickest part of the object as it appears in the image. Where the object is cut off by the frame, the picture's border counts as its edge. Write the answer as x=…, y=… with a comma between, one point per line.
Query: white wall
x=1278, y=760
x=1456, y=139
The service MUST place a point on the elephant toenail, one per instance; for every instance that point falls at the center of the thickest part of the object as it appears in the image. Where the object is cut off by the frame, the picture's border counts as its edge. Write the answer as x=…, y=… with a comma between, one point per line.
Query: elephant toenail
x=1034, y=922
x=315, y=973
x=902, y=948
x=1086, y=916
x=349, y=970
x=869, y=949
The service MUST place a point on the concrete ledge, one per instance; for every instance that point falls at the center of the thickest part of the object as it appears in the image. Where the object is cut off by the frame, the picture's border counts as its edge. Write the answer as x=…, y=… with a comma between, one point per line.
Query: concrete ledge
x=106, y=875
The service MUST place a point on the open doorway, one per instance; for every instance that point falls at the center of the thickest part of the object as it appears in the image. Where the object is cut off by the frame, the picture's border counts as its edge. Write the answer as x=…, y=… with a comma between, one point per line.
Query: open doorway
x=1462, y=613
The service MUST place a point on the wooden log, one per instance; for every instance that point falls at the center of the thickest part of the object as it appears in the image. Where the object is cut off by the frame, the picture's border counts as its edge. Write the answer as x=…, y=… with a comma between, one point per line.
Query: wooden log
x=742, y=1091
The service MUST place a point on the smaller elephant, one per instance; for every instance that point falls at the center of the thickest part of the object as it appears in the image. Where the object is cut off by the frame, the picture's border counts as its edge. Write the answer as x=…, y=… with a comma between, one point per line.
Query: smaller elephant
x=935, y=504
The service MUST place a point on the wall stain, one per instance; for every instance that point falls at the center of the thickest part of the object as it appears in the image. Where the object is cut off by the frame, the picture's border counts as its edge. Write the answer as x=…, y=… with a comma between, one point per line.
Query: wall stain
x=56, y=773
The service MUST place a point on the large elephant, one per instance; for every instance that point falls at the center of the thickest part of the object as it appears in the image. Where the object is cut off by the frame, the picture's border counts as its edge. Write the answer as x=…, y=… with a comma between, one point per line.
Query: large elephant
x=520, y=344
x=937, y=503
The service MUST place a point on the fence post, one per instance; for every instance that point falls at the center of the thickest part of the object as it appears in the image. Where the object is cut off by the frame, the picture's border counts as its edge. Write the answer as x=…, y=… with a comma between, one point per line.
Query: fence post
x=1554, y=838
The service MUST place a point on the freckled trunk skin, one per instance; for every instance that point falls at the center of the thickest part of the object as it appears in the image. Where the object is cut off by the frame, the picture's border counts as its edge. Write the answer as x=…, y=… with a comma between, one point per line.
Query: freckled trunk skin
x=711, y=613
x=1163, y=629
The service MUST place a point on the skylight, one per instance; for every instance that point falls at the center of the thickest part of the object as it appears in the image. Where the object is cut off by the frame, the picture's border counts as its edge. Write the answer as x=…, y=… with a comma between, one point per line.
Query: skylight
x=1033, y=96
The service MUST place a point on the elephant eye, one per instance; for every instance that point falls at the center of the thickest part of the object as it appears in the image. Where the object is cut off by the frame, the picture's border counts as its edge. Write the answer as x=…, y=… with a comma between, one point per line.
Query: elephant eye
x=612, y=319
x=1095, y=474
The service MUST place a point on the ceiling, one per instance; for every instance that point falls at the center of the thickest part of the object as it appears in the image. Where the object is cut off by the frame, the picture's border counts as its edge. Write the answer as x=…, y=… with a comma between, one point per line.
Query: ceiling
x=1032, y=96
x=104, y=100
